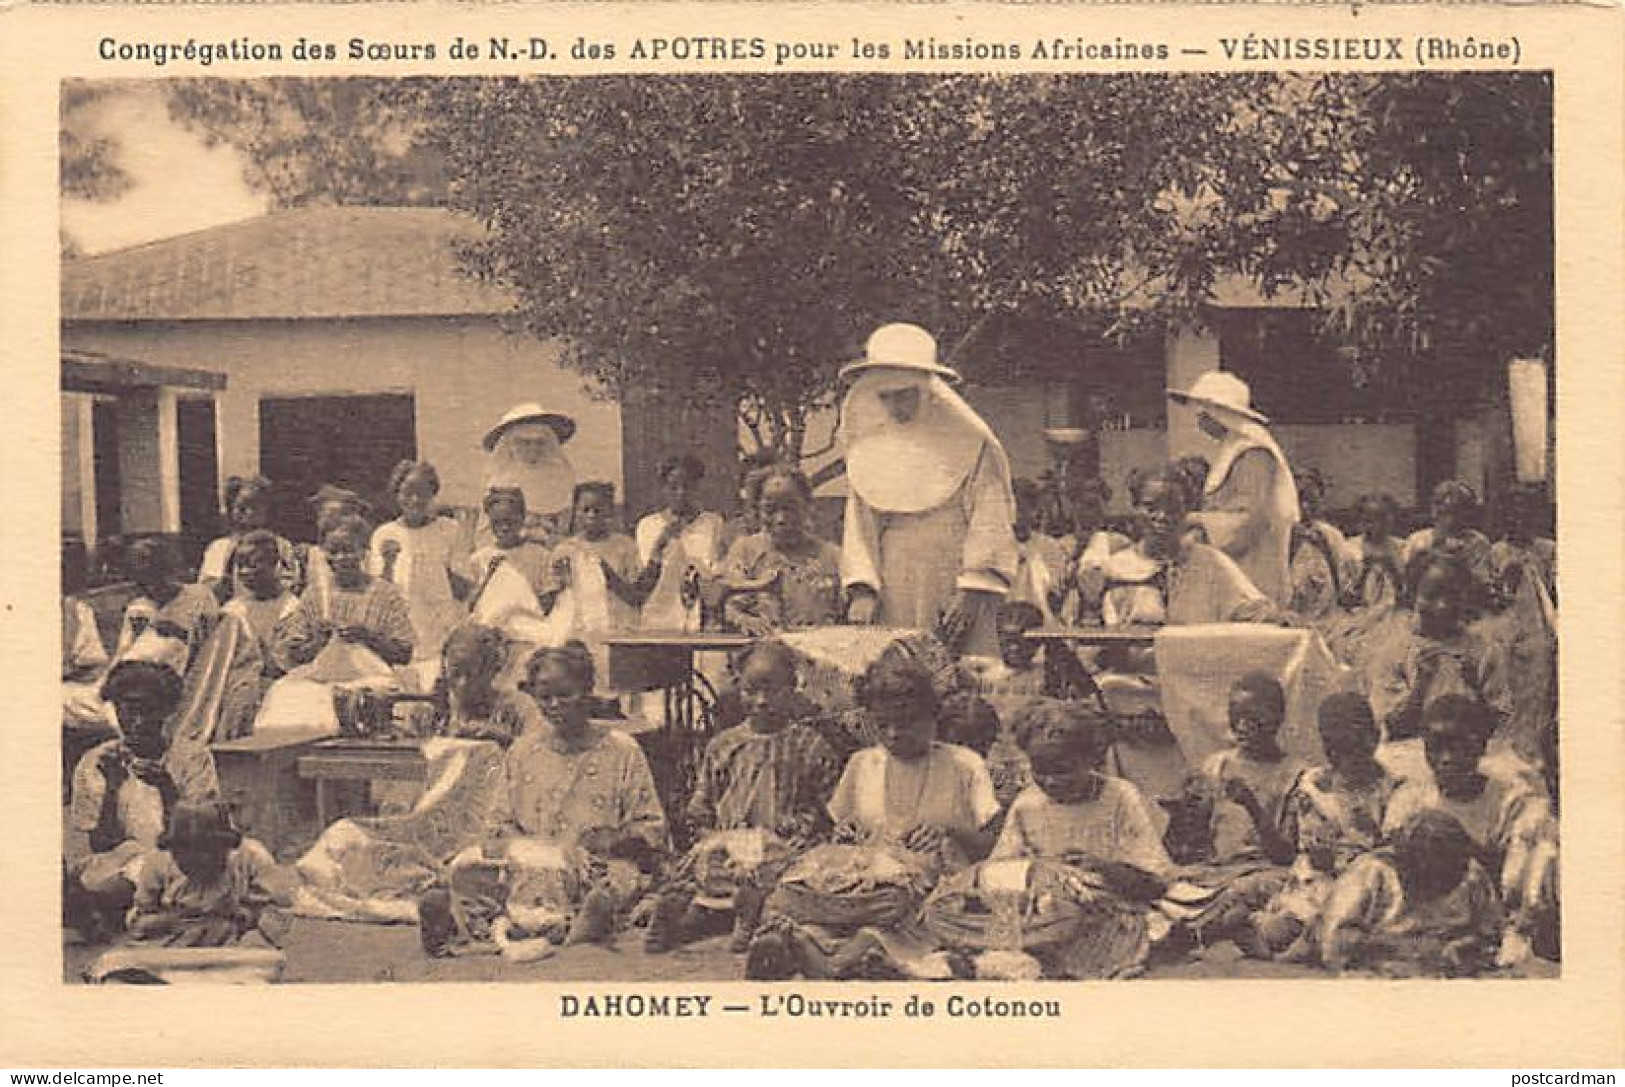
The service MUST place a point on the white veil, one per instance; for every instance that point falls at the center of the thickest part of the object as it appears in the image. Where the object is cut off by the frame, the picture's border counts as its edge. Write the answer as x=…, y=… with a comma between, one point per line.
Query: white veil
x=548, y=485
x=917, y=465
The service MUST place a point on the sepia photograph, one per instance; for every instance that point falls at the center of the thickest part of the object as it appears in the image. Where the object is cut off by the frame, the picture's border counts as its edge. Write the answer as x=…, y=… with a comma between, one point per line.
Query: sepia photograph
x=821, y=526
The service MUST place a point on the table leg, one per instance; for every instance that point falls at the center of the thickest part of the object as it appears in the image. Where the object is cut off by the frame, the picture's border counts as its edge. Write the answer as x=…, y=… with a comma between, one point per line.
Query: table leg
x=322, y=804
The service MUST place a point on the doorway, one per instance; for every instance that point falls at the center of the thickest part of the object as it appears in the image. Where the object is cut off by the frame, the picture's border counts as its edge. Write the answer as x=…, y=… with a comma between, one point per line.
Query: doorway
x=349, y=441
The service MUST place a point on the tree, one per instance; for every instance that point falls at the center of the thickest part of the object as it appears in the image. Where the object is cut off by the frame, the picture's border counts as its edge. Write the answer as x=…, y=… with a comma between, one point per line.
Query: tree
x=89, y=158
x=321, y=141
x=735, y=238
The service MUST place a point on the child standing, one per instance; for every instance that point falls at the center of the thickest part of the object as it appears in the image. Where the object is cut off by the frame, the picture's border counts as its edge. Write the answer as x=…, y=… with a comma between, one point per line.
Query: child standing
x=595, y=581
x=505, y=514
x=419, y=552
x=1317, y=564
x=1042, y=574
x=331, y=504
x=685, y=542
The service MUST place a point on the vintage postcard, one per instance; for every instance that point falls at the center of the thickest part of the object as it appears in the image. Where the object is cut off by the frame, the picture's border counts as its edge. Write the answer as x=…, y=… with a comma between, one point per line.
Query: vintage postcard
x=819, y=533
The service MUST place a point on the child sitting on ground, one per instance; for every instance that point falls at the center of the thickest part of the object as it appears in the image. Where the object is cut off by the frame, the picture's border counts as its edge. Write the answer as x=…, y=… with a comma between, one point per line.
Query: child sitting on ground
x=206, y=885
x=122, y=796
x=1502, y=804
x=1422, y=905
x=771, y=773
x=1245, y=788
x=1075, y=814
x=1334, y=814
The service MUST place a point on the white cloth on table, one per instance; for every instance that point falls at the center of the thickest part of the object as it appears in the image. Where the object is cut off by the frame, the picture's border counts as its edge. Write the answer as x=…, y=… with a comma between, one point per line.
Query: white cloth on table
x=1197, y=665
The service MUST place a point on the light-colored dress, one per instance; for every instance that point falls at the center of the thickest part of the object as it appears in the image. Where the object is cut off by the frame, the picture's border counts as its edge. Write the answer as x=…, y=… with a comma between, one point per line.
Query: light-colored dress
x=422, y=569
x=885, y=797
x=1117, y=825
x=1249, y=509
x=528, y=557
x=698, y=547
x=1042, y=573
x=250, y=627
x=588, y=609
x=1204, y=586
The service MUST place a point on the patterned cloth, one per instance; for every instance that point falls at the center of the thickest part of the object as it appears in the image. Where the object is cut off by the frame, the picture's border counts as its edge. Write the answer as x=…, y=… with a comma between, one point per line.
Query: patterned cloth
x=377, y=606
x=1369, y=921
x=805, y=589
x=763, y=780
x=559, y=792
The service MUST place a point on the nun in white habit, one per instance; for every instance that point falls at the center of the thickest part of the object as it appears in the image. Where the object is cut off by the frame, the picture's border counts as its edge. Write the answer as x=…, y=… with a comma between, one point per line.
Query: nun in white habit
x=928, y=539
x=526, y=452
x=1250, y=501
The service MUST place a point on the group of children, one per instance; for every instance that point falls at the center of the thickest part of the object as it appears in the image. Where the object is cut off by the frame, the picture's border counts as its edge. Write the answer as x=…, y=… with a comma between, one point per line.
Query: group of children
x=972, y=819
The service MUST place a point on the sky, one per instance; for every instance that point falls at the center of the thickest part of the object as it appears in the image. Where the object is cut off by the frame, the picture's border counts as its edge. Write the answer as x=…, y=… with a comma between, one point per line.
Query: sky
x=179, y=184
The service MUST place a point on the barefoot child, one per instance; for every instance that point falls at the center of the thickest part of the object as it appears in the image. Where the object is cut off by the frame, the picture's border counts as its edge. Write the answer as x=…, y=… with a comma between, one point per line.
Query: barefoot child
x=1107, y=859
x=122, y=795
x=1334, y=814
x=771, y=774
x=1502, y=804
x=1247, y=786
x=579, y=832
x=1422, y=905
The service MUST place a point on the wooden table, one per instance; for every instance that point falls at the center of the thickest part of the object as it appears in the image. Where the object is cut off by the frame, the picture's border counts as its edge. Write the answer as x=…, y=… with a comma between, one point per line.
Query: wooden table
x=260, y=782
x=1065, y=674
x=340, y=760
x=663, y=660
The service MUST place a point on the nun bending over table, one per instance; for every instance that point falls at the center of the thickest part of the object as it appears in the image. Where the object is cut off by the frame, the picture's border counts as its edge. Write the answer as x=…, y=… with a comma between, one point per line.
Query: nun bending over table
x=928, y=539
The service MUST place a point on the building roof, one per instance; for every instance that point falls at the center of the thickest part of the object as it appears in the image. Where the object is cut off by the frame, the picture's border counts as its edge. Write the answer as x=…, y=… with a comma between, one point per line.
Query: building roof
x=316, y=262
x=91, y=371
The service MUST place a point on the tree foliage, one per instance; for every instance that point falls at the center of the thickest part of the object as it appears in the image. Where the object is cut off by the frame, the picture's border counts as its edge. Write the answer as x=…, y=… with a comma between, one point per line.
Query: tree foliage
x=89, y=163
x=732, y=239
